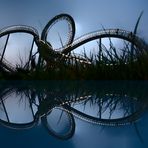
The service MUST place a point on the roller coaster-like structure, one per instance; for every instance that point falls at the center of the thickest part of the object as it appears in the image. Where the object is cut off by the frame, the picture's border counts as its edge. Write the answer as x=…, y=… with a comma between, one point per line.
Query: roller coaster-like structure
x=52, y=103
x=45, y=49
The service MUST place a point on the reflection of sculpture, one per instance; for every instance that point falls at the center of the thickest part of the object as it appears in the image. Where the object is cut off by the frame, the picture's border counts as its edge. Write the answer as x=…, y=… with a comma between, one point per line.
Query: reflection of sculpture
x=45, y=49
x=21, y=106
x=129, y=115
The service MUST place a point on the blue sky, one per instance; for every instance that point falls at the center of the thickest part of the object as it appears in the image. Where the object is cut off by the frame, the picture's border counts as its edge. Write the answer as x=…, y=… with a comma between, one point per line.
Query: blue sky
x=89, y=15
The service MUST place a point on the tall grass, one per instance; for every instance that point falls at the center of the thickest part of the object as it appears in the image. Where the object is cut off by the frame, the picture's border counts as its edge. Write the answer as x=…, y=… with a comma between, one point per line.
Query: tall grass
x=106, y=64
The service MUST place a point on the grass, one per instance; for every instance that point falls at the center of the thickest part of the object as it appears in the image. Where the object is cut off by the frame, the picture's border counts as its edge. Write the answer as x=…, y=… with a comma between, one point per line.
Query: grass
x=107, y=64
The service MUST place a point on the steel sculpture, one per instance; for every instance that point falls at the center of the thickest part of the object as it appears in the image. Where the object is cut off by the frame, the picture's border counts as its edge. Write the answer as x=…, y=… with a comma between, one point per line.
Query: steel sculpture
x=52, y=132
x=47, y=101
x=46, y=51
x=7, y=123
x=71, y=26
x=6, y=94
x=67, y=107
x=7, y=32
x=106, y=122
x=47, y=105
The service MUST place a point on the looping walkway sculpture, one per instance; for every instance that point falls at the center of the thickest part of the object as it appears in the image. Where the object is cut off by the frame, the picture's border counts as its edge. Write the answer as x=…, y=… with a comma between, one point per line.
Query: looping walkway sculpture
x=45, y=48
x=44, y=104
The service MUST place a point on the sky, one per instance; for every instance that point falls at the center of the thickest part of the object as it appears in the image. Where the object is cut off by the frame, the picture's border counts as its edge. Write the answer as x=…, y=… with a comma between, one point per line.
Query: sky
x=89, y=15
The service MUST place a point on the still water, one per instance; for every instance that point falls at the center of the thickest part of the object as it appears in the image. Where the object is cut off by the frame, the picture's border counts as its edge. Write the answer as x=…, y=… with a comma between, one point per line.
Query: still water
x=105, y=114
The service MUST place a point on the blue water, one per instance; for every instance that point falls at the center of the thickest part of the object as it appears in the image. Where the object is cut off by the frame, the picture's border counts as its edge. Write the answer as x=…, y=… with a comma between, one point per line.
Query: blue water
x=86, y=135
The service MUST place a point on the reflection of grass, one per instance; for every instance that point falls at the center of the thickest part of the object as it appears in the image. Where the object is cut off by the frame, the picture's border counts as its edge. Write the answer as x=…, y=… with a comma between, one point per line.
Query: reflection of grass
x=107, y=96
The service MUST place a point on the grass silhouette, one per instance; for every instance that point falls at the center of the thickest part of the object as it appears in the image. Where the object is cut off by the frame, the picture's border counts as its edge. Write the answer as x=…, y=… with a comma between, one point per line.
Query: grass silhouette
x=106, y=64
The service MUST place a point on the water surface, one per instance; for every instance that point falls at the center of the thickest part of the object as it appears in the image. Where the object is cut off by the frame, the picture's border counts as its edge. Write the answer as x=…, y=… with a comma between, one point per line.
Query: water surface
x=74, y=114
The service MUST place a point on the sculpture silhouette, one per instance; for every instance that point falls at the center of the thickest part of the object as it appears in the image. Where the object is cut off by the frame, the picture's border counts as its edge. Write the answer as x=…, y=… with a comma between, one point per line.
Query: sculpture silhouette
x=45, y=49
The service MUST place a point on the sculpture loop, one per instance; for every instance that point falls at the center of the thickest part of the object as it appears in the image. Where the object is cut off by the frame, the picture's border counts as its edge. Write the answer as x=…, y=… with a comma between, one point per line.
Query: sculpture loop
x=48, y=53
